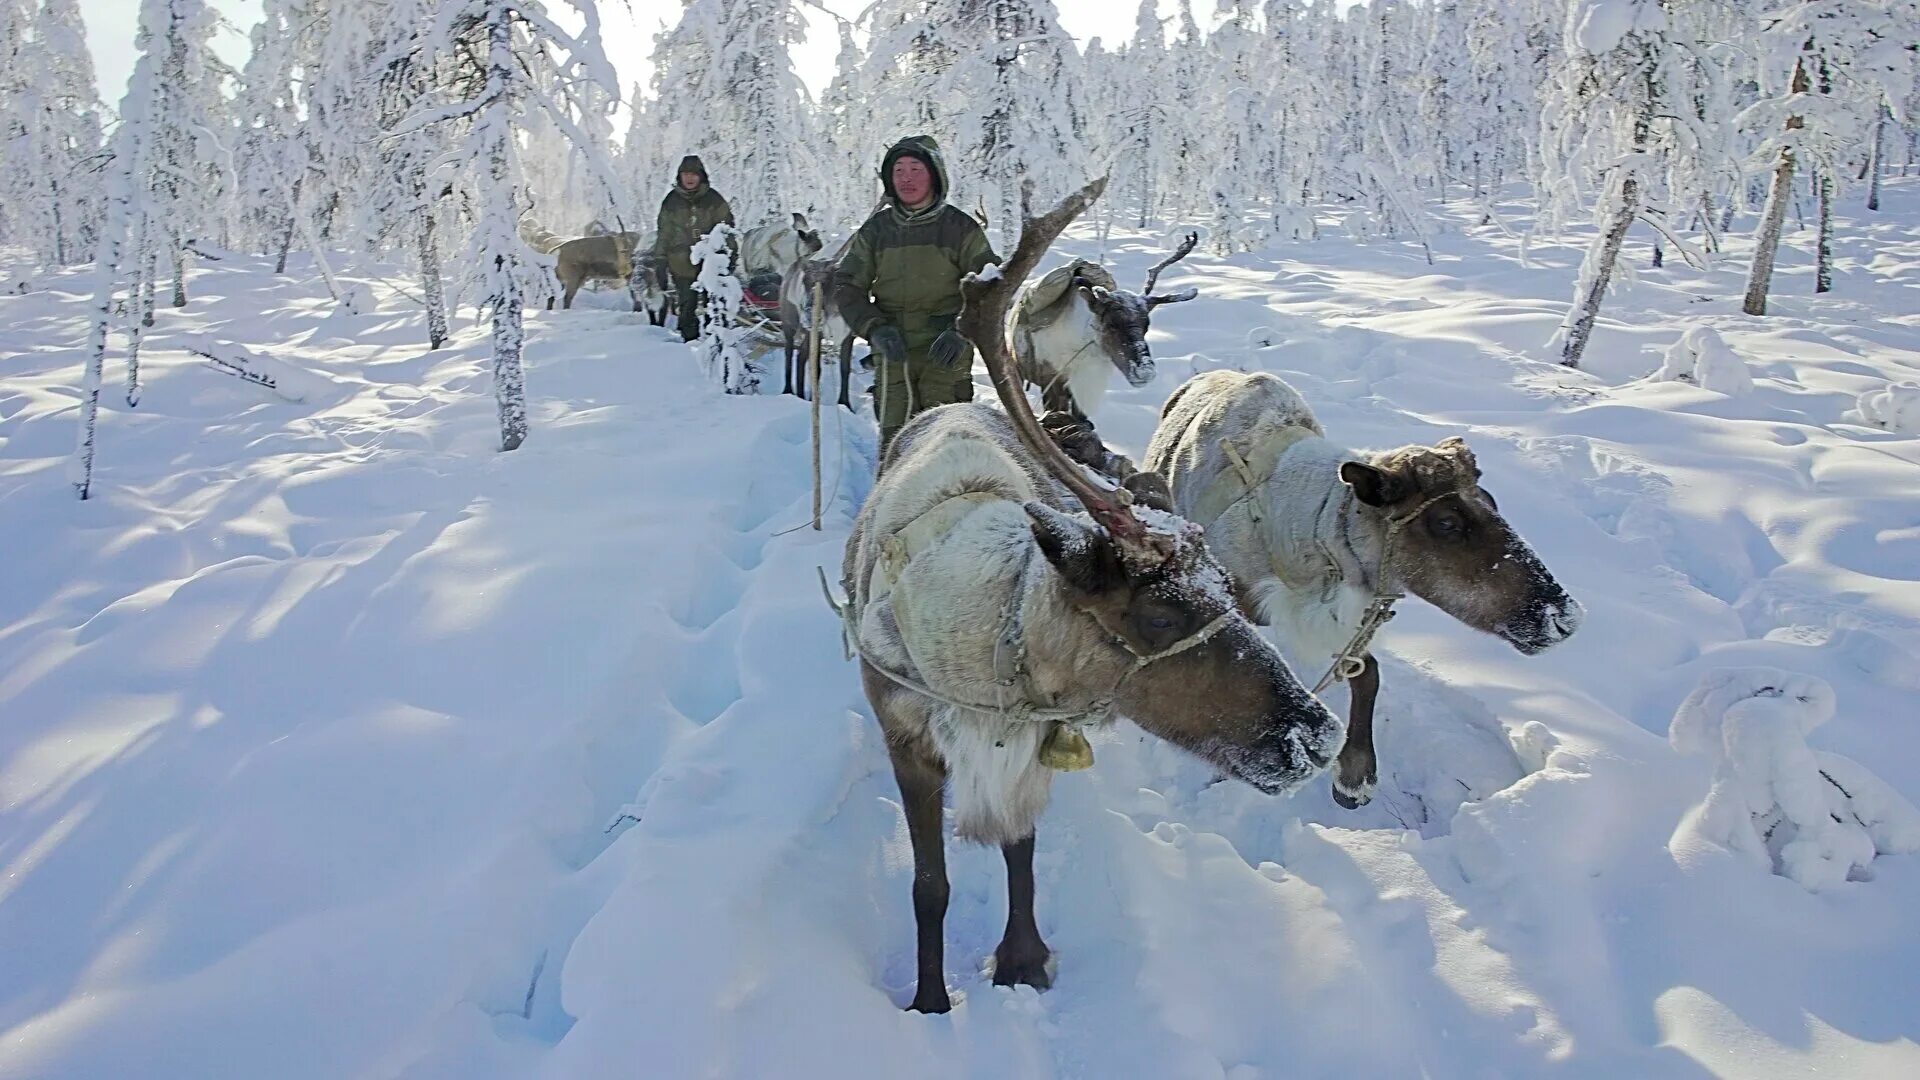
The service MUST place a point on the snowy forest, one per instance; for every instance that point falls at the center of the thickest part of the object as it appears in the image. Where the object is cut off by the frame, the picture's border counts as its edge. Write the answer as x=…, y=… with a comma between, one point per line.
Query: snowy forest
x=418, y=131
x=422, y=657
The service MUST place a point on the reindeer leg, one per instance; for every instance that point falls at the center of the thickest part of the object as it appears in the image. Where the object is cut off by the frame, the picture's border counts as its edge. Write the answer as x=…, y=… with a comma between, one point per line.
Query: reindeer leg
x=1356, y=771
x=787, y=335
x=920, y=782
x=846, y=372
x=1021, y=959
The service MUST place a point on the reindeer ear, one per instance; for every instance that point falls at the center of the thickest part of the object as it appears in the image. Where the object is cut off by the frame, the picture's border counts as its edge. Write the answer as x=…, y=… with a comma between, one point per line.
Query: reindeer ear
x=1083, y=554
x=799, y=221
x=1372, y=486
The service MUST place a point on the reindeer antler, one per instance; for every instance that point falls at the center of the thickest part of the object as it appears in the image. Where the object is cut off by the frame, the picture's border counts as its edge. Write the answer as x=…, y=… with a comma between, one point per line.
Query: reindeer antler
x=1185, y=249
x=983, y=319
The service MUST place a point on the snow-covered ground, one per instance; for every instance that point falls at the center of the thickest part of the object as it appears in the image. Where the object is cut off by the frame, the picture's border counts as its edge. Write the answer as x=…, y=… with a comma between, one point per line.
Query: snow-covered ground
x=334, y=743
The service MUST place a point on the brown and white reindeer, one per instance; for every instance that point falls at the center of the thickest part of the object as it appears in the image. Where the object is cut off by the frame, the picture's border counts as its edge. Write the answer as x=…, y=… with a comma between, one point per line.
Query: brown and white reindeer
x=993, y=619
x=1322, y=540
x=1076, y=322
x=606, y=256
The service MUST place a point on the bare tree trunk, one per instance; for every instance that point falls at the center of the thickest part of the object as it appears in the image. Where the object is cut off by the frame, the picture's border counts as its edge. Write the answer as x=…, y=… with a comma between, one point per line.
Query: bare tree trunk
x=150, y=270
x=1767, y=244
x=1823, y=245
x=108, y=252
x=1874, y=157
x=1578, y=327
x=1659, y=253
x=497, y=197
x=429, y=240
x=1726, y=214
x=59, y=230
x=1707, y=223
x=145, y=269
x=179, y=253
x=286, y=234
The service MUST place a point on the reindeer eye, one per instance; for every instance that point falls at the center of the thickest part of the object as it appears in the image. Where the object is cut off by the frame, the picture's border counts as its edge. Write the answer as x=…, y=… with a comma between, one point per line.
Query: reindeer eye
x=1447, y=525
x=1160, y=622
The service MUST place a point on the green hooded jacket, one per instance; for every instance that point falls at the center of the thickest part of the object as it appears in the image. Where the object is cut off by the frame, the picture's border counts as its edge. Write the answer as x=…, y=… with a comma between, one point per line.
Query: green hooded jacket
x=686, y=216
x=905, y=268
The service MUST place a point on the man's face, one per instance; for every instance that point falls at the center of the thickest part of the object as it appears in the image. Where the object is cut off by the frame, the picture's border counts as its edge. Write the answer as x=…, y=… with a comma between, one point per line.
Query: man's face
x=913, y=182
x=689, y=180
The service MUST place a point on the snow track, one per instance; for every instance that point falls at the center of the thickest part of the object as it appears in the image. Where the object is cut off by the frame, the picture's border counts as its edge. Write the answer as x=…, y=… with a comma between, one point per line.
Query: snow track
x=338, y=744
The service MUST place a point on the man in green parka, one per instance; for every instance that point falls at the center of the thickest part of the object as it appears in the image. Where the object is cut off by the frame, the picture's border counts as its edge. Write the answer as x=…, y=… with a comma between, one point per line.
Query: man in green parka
x=689, y=212
x=899, y=286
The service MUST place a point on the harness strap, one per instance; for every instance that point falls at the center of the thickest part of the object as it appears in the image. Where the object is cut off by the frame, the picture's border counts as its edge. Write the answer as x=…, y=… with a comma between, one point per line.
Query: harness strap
x=1349, y=662
x=1249, y=468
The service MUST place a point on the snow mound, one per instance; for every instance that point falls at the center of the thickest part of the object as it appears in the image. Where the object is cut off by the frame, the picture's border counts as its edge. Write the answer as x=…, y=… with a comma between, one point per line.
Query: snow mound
x=1262, y=337
x=1703, y=358
x=1895, y=406
x=1810, y=816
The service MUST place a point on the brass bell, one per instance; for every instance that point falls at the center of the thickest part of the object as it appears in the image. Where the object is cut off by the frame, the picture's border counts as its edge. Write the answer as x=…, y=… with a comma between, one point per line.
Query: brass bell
x=1066, y=749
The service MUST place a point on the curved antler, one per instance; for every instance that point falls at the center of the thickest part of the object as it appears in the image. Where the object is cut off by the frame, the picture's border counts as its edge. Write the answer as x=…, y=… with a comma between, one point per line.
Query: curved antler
x=983, y=319
x=1185, y=249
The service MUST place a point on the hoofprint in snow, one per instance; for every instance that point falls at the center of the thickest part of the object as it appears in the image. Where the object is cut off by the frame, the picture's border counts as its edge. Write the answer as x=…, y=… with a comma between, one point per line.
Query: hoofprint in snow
x=339, y=744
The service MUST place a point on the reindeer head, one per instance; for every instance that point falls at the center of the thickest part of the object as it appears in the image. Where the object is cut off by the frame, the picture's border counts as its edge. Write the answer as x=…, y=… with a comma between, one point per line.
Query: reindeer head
x=1452, y=548
x=810, y=241
x=1123, y=318
x=1153, y=613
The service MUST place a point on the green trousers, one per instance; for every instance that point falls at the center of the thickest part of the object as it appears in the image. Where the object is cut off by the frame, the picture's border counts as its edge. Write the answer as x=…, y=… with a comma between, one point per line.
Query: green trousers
x=687, y=299
x=904, y=391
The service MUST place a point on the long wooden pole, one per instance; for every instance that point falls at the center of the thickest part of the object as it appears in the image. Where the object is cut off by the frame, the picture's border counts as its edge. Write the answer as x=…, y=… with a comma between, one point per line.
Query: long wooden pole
x=813, y=365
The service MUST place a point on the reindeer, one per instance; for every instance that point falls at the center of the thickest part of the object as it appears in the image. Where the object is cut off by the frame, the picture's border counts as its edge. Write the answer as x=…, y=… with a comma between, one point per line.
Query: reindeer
x=992, y=622
x=1322, y=540
x=796, y=324
x=608, y=257
x=1076, y=317
x=775, y=248
x=649, y=287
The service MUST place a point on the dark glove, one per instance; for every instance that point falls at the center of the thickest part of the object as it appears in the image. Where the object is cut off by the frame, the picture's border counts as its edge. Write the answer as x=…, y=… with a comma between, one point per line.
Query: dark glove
x=949, y=348
x=889, y=344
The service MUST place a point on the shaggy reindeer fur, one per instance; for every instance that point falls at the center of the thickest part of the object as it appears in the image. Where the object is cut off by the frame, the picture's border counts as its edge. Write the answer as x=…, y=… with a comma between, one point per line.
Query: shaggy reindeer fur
x=1305, y=556
x=774, y=248
x=943, y=617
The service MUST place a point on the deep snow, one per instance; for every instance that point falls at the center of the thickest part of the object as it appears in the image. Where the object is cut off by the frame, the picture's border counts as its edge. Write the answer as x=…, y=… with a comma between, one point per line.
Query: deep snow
x=337, y=744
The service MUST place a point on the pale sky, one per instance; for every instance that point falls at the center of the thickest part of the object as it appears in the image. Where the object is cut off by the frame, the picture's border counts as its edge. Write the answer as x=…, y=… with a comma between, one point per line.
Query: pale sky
x=628, y=27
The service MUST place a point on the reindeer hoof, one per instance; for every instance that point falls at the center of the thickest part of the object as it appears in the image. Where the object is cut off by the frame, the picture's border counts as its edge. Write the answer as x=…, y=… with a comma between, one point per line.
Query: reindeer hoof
x=1022, y=967
x=1352, y=797
x=935, y=1002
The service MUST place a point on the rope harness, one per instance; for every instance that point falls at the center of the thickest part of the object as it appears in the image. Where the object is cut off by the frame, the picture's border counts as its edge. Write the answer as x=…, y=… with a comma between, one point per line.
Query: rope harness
x=1351, y=660
x=1065, y=747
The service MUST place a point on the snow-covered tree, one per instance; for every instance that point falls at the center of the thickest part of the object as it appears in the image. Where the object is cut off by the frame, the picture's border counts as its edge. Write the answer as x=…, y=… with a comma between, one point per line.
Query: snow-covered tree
x=496, y=62
x=726, y=89
x=1602, y=122
x=1827, y=68
x=50, y=178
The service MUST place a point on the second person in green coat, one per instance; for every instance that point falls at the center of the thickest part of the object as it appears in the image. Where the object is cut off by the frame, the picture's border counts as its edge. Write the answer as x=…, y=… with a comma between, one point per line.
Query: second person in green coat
x=689, y=212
